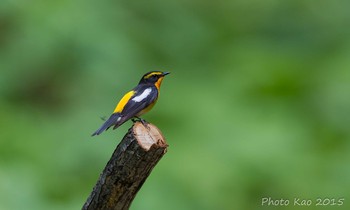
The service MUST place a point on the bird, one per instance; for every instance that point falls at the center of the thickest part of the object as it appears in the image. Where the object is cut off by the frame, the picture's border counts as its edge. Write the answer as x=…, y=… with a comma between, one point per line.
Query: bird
x=136, y=102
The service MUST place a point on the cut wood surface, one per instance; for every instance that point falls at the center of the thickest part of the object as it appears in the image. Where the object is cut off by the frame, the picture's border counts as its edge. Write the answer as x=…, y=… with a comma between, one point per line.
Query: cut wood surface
x=126, y=171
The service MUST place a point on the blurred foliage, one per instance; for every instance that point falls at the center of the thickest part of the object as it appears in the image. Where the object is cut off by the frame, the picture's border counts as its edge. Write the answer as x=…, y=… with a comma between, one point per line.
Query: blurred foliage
x=257, y=104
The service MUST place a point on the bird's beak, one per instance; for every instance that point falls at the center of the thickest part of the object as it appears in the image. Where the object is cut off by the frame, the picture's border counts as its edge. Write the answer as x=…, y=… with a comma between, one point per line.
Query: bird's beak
x=165, y=73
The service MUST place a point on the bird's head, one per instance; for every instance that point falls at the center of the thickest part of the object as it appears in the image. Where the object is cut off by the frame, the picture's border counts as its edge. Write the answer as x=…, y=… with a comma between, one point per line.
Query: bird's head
x=153, y=77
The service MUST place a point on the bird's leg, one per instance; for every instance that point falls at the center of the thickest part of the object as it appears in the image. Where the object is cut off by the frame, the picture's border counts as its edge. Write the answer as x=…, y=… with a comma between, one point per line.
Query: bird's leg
x=144, y=122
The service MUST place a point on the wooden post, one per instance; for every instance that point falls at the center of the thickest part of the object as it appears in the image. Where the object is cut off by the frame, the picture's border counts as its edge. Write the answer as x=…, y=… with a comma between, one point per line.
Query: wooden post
x=126, y=171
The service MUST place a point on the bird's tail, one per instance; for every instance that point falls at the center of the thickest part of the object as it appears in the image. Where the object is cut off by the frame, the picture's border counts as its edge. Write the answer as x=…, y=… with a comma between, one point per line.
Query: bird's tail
x=114, y=119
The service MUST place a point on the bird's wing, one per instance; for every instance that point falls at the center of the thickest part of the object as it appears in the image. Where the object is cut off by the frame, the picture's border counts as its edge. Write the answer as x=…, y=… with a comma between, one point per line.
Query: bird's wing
x=143, y=97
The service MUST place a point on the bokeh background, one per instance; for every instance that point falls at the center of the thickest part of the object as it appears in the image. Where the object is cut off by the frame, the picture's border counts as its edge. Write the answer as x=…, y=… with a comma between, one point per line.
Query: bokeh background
x=257, y=104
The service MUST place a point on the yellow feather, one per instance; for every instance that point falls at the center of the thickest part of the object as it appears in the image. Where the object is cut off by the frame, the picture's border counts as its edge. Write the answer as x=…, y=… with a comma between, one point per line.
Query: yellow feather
x=144, y=111
x=124, y=101
x=153, y=73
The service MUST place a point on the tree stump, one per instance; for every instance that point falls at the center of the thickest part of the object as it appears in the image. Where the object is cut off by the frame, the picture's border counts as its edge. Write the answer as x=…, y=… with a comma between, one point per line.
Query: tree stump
x=128, y=168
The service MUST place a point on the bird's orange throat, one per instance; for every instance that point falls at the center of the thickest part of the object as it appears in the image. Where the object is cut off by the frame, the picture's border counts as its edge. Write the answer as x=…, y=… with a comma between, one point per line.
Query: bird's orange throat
x=159, y=82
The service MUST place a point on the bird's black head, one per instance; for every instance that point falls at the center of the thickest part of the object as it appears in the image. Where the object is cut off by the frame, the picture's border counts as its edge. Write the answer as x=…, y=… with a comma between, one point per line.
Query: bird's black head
x=153, y=77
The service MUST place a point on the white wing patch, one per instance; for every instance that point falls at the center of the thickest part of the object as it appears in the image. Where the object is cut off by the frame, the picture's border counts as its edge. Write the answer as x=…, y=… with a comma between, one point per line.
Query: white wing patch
x=143, y=95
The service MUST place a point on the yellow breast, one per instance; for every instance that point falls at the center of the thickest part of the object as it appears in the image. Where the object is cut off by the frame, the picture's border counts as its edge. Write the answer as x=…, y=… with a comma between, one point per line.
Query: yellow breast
x=147, y=109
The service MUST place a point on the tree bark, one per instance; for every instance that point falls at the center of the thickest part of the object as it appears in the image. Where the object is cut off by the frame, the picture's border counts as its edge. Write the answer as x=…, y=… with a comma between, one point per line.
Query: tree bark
x=130, y=165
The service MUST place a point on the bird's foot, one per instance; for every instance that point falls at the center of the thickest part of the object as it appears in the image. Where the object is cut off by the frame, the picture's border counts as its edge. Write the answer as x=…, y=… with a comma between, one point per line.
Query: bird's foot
x=144, y=122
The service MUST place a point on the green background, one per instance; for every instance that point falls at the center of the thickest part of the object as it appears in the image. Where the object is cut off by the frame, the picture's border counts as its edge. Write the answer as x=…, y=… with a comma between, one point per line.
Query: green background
x=257, y=103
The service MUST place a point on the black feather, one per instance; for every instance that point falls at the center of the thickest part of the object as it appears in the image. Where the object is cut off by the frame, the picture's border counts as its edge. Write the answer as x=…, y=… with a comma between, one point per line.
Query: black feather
x=113, y=119
x=132, y=108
